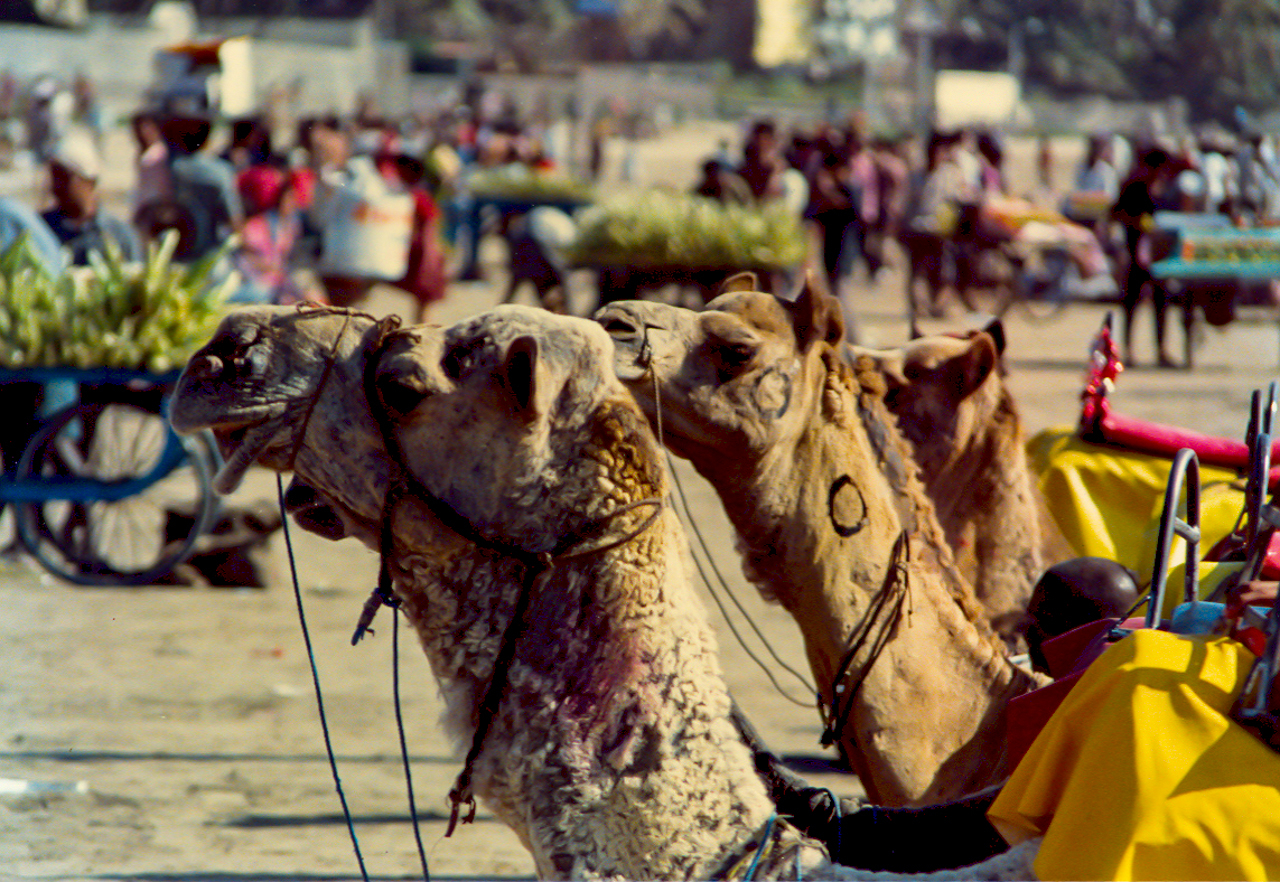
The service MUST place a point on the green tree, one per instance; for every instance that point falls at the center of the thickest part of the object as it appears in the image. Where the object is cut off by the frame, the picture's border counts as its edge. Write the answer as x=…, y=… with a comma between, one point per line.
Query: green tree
x=1215, y=54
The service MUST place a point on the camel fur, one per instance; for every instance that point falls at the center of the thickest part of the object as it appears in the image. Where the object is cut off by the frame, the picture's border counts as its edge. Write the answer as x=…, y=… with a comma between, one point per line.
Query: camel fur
x=832, y=522
x=611, y=753
x=951, y=402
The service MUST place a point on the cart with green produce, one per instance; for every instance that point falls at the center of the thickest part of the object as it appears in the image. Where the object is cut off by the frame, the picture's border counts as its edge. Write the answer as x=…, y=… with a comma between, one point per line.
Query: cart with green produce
x=103, y=491
x=654, y=238
x=499, y=194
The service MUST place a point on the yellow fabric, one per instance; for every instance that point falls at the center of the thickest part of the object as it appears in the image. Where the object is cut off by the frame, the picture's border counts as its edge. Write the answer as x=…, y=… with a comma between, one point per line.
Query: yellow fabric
x=1107, y=501
x=1210, y=575
x=1139, y=775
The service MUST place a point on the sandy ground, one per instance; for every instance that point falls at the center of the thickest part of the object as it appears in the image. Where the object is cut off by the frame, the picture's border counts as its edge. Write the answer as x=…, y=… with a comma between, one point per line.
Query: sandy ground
x=172, y=734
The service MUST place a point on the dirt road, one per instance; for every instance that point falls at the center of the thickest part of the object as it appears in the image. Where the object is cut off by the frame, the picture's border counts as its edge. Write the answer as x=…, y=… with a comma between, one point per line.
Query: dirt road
x=172, y=734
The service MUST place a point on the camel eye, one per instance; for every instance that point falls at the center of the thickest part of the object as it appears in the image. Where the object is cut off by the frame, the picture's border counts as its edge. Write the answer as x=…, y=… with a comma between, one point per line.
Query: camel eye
x=733, y=356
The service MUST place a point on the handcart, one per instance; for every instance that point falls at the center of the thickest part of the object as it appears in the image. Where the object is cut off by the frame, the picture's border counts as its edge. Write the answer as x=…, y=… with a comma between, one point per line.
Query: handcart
x=105, y=492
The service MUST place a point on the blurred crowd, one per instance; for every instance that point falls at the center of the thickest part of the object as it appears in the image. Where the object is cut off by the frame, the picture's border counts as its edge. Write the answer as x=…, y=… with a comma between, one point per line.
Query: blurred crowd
x=328, y=206
x=321, y=212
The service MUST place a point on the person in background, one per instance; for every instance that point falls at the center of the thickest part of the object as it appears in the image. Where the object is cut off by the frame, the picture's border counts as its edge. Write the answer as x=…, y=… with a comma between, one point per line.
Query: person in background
x=267, y=238
x=719, y=182
x=1134, y=210
x=892, y=182
x=832, y=209
x=17, y=219
x=48, y=116
x=153, y=184
x=762, y=162
x=250, y=143
x=204, y=186
x=86, y=109
x=76, y=217
x=990, y=165
x=1097, y=174
x=862, y=183
x=426, y=276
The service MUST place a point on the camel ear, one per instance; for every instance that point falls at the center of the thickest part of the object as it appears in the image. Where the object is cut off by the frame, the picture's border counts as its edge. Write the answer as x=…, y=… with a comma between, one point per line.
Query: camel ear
x=743, y=281
x=995, y=328
x=972, y=367
x=519, y=372
x=816, y=316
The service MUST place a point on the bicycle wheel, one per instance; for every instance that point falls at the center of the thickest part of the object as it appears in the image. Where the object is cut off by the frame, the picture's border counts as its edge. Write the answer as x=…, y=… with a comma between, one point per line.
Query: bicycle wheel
x=1044, y=292
x=992, y=283
x=109, y=476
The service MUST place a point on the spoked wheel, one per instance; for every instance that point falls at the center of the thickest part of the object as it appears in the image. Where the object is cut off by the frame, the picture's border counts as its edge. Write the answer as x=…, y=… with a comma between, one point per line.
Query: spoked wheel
x=109, y=474
x=992, y=283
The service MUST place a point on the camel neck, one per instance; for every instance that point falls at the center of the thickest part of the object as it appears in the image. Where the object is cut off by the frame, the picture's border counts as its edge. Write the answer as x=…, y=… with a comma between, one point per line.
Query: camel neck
x=828, y=526
x=615, y=715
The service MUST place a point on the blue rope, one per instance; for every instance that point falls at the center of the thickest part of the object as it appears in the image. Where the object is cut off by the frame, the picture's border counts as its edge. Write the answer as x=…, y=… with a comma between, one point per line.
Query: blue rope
x=835, y=801
x=764, y=842
x=404, y=747
x=315, y=679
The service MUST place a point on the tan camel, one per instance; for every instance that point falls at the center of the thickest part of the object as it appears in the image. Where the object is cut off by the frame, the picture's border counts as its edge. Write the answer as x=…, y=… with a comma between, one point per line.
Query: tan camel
x=531, y=552
x=951, y=402
x=834, y=524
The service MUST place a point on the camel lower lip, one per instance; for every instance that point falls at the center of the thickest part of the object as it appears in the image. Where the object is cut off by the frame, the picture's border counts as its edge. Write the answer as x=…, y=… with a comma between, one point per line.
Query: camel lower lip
x=240, y=448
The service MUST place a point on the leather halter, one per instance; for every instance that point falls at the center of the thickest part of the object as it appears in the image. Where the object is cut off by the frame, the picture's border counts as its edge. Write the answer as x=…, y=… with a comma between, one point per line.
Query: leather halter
x=535, y=565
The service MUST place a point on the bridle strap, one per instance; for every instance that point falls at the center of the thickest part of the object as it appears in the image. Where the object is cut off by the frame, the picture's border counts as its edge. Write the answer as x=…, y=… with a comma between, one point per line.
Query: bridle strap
x=327, y=371
x=847, y=682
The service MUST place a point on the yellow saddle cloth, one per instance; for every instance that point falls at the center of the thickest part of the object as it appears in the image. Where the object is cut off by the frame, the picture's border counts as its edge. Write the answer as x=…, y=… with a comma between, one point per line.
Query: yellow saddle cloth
x=1141, y=775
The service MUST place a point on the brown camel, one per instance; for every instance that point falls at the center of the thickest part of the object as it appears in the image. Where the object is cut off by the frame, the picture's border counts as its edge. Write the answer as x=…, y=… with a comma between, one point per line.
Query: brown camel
x=613, y=701
x=951, y=402
x=834, y=524
x=532, y=553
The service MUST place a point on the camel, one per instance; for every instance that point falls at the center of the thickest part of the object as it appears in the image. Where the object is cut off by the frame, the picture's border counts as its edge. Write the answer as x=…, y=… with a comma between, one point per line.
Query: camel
x=833, y=523
x=951, y=402
x=532, y=553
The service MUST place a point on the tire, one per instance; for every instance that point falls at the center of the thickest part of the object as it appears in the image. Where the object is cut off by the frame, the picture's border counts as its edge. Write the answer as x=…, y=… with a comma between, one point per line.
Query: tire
x=994, y=283
x=124, y=470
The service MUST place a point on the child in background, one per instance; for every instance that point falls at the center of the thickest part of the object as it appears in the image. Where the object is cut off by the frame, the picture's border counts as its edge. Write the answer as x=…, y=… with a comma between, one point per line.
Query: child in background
x=271, y=229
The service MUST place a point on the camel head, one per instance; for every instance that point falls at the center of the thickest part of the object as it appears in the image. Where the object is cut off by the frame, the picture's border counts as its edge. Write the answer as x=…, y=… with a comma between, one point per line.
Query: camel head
x=282, y=387
x=737, y=376
x=945, y=392
x=515, y=418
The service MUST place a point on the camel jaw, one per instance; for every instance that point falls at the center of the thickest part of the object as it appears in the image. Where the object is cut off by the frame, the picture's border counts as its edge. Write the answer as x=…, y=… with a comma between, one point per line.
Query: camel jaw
x=313, y=513
x=242, y=445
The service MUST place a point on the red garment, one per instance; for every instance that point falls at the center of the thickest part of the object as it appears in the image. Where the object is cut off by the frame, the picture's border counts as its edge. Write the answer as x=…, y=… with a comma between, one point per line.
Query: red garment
x=426, y=277
x=261, y=187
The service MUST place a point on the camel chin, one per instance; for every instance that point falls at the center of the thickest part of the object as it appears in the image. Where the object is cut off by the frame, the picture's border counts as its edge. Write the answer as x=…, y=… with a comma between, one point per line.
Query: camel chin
x=312, y=513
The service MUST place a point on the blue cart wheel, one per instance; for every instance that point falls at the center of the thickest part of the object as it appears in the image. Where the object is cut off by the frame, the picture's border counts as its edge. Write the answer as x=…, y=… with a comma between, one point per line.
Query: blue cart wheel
x=107, y=477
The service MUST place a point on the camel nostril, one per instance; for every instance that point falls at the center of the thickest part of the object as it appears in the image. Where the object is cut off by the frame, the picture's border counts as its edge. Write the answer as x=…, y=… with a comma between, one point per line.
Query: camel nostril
x=619, y=327
x=206, y=366
x=398, y=396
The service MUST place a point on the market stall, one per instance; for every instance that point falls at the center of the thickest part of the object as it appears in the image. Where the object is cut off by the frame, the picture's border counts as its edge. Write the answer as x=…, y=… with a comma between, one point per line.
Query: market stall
x=1209, y=264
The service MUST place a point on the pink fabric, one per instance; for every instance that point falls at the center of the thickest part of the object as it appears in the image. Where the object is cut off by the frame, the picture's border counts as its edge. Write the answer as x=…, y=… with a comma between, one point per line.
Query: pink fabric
x=1147, y=437
x=266, y=242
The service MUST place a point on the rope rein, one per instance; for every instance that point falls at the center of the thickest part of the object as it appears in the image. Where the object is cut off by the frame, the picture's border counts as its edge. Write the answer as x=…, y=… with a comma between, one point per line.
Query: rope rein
x=893, y=595
x=315, y=680
x=691, y=523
